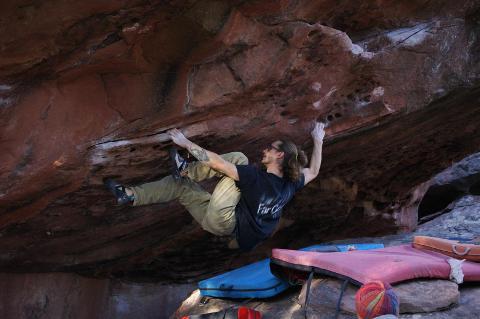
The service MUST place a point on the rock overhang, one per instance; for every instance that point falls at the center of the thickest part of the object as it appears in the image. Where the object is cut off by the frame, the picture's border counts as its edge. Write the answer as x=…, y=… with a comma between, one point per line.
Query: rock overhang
x=397, y=84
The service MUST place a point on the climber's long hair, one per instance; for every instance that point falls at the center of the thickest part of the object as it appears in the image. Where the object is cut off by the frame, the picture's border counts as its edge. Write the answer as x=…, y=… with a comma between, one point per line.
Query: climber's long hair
x=294, y=160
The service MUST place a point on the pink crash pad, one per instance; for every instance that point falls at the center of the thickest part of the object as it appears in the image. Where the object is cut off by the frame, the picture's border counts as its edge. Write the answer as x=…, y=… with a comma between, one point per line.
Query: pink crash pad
x=392, y=264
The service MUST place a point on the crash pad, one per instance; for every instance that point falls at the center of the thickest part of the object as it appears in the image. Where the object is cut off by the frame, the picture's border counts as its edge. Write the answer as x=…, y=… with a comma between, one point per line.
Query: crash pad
x=391, y=265
x=452, y=248
x=256, y=280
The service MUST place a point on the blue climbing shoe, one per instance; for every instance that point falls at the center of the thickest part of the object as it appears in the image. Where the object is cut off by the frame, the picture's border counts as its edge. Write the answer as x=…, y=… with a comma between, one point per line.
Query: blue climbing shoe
x=178, y=163
x=118, y=190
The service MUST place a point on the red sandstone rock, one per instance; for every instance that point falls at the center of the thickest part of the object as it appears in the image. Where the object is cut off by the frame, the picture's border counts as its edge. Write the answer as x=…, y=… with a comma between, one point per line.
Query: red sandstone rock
x=87, y=91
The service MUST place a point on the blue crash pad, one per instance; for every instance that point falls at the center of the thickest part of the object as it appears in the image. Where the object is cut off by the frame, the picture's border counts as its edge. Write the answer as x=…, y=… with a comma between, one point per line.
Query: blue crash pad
x=256, y=280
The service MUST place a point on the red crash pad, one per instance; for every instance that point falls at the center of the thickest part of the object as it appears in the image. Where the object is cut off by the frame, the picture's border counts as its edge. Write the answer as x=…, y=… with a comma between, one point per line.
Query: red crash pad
x=391, y=265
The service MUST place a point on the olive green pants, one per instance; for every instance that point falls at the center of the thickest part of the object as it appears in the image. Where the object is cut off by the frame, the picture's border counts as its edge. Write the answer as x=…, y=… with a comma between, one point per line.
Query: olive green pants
x=214, y=212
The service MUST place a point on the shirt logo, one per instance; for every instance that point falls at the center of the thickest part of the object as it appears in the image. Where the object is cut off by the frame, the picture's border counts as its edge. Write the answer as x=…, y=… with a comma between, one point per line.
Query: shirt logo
x=269, y=209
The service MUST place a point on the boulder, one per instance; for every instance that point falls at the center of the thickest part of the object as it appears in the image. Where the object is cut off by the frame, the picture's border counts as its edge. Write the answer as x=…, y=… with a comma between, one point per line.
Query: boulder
x=461, y=221
x=468, y=307
x=427, y=295
x=462, y=178
x=415, y=296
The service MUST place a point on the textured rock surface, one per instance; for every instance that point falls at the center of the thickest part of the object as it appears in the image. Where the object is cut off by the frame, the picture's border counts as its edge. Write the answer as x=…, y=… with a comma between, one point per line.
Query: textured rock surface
x=462, y=222
x=427, y=296
x=57, y=295
x=460, y=179
x=415, y=296
x=467, y=308
x=87, y=90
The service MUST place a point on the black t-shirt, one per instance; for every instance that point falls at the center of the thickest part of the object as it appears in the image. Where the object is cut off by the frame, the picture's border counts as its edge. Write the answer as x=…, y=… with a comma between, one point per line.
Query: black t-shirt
x=263, y=195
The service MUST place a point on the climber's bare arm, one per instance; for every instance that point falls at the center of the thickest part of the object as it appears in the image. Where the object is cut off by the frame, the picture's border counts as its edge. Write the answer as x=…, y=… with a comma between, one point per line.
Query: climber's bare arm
x=311, y=172
x=211, y=159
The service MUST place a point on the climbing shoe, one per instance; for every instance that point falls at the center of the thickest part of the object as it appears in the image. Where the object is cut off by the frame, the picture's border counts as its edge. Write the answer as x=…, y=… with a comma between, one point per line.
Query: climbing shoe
x=118, y=190
x=178, y=163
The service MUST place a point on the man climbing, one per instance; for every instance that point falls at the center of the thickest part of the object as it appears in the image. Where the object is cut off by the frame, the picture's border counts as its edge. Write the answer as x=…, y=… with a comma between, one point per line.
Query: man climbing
x=247, y=202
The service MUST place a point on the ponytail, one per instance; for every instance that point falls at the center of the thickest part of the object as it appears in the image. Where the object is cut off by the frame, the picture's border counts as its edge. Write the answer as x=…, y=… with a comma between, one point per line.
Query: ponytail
x=294, y=160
